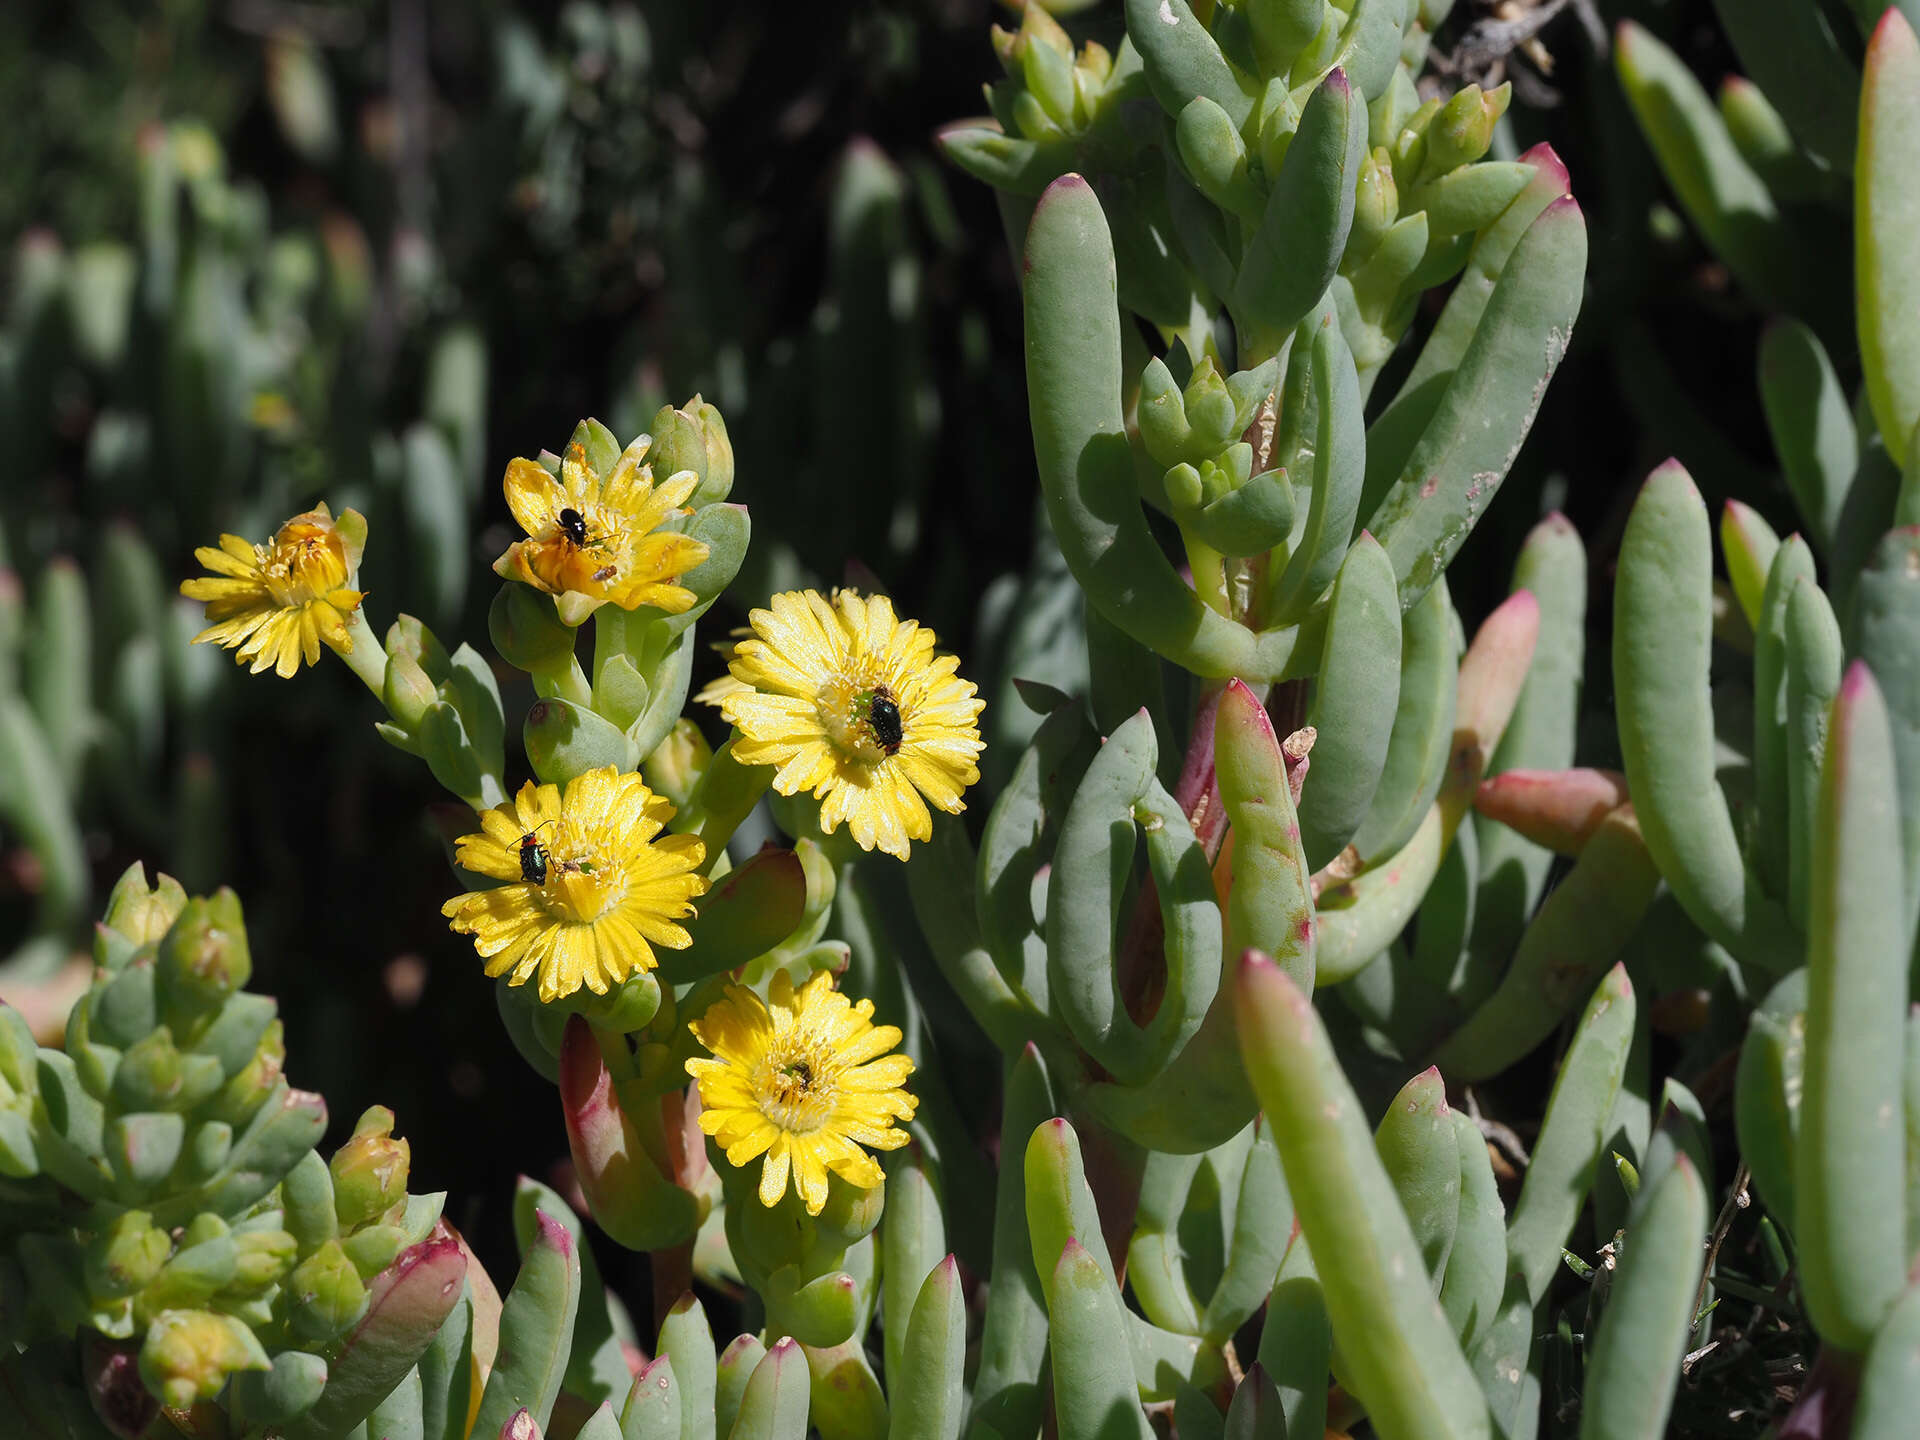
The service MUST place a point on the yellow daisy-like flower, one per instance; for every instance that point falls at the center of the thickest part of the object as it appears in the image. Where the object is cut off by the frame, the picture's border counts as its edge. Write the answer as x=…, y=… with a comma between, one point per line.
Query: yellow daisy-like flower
x=592, y=540
x=593, y=884
x=806, y=1081
x=276, y=603
x=852, y=704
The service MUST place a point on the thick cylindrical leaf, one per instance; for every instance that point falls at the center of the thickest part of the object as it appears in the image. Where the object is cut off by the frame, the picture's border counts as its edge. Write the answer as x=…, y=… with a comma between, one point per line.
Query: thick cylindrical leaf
x=1007, y=1399
x=1416, y=1144
x=1270, y=904
x=1296, y=1342
x=1663, y=622
x=629, y=1197
x=1577, y=934
x=1422, y=730
x=1649, y=1316
x=1092, y=857
x=1886, y=229
x=1354, y=698
x=686, y=1340
x=1809, y=417
x=1477, y=1266
x=1572, y=1134
x=1814, y=655
x=774, y=1406
x=1729, y=204
x=1452, y=473
x=1850, y=1161
x=1890, y=1380
x=1262, y=1226
x=1402, y=1360
x=928, y=1387
x=536, y=1330
x=1791, y=562
x=1093, y=1384
x=1391, y=437
x=1332, y=467
x=1886, y=634
x=407, y=1303
x=1292, y=255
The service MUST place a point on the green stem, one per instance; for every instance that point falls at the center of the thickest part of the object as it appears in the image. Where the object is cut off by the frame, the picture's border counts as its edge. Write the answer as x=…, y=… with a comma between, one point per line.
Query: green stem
x=366, y=657
x=564, y=680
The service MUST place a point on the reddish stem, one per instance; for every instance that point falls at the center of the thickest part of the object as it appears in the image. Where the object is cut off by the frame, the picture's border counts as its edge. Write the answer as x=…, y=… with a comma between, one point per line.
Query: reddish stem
x=672, y=1272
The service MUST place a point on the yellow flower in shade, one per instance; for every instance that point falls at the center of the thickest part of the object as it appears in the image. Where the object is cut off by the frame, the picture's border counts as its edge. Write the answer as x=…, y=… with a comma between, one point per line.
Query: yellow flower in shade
x=805, y=1080
x=592, y=883
x=594, y=539
x=276, y=603
x=853, y=705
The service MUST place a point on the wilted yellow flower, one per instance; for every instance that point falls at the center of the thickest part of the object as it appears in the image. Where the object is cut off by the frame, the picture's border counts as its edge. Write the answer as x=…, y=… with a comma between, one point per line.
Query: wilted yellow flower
x=806, y=1081
x=276, y=602
x=593, y=884
x=852, y=704
x=593, y=539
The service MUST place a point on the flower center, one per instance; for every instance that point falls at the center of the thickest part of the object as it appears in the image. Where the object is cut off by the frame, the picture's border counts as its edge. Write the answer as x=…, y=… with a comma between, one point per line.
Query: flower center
x=580, y=885
x=588, y=547
x=860, y=716
x=795, y=1085
x=306, y=562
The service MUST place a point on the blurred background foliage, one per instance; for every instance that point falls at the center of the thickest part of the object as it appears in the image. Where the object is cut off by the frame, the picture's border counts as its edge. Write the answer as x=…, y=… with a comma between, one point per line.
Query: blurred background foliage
x=261, y=253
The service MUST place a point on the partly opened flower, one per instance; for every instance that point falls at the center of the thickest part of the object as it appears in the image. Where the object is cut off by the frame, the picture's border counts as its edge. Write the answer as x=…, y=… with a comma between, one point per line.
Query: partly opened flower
x=277, y=602
x=593, y=884
x=806, y=1081
x=853, y=705
x=594, y=539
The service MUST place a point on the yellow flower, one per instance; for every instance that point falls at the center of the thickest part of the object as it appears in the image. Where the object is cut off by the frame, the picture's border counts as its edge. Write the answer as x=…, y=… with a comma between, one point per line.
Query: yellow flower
x=587, y=900
x=277, y=602
x=853, y=705
x=805, y=1081
x=594, y=539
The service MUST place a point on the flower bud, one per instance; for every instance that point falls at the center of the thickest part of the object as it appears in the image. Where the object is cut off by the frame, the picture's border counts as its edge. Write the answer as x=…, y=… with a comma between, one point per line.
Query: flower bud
x=326, y=1292
x=526, y=630
x=850, y=1213
x=407, y=690
x=1463, y=130
x=204, y=957
x=1282, y=29
x=411, y=637
x=677, y=763
x=126, y=1256
x=1210, y=409
x=241, y=1096
x=1037, y=27
x=201, y=1268
x=1276, y=118
x=369, y=1171
x=151, y=1075
x=1162, y=415
x=261, y=1258
x=625, y=1008
x=693, y=437
x=1185, y=490
x=188, y=1355
x=1376, y=205
x=1409, y=148
x=141, y=914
